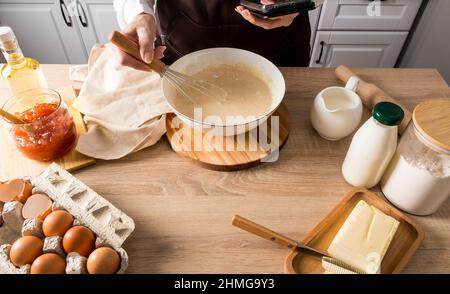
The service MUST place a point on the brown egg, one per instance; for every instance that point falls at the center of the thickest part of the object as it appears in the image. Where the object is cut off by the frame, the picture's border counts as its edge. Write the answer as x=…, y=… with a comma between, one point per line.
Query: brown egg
x=79, y=239
x=25, y=250
x=38, y=205
x=103, y=260
x=57, y=223
x=49, y=263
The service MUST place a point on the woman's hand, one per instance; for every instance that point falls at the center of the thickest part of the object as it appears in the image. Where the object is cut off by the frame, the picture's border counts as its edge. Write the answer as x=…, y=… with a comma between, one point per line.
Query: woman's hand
x=141, y=30
x=268, y=24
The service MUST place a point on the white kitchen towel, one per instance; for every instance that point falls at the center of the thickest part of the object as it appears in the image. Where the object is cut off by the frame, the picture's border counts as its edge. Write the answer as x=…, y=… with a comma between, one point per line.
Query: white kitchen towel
x=124, y=109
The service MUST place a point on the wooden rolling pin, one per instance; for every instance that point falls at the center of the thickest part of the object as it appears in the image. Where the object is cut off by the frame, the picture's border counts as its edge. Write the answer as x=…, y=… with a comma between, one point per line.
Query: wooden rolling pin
x=371, y=95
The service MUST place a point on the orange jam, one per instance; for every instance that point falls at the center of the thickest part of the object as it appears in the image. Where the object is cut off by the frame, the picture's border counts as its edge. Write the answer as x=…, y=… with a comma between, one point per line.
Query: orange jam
x=49, y=132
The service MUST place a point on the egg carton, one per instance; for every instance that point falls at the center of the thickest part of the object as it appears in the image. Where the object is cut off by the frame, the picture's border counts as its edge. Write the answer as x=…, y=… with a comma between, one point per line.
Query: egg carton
x=111, y=226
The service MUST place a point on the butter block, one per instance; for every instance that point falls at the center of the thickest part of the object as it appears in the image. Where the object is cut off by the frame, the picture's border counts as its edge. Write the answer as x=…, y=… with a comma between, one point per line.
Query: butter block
x=364, y=238
x=333, y=266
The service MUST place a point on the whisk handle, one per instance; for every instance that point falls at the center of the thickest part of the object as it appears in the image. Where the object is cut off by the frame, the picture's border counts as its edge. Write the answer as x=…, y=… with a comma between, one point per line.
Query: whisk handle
x=130, y=47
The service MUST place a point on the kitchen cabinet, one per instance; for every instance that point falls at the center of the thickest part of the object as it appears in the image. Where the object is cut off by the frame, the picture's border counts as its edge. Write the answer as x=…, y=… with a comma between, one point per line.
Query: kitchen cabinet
x=357, y=49
x=395, y=15
x=59, y=31
x=314, y=16
x=97, y=19
x=44, y=31
x=362, y=33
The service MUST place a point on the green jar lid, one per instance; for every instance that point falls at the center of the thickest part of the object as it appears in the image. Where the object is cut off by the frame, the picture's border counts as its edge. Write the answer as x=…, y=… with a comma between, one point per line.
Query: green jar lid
x=388, y=113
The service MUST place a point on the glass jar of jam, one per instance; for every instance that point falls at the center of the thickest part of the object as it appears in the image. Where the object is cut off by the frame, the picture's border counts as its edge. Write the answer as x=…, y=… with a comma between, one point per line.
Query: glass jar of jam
x=48, y=132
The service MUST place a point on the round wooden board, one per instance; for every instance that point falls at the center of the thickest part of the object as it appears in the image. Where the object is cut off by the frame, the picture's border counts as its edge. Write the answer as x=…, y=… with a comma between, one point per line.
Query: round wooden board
x=210, y=152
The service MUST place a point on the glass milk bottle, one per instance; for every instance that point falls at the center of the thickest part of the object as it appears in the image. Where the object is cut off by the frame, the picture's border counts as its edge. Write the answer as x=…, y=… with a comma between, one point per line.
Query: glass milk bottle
x=418, y=178
x=373, y=146
x=21, y=73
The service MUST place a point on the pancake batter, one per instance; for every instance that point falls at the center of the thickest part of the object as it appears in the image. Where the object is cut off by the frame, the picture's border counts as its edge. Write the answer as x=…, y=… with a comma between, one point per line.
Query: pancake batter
x=247, y=95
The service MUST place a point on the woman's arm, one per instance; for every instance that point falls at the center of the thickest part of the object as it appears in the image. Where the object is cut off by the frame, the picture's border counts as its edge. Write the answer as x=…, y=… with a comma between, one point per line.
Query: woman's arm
x=128, y=9
x=137, y=21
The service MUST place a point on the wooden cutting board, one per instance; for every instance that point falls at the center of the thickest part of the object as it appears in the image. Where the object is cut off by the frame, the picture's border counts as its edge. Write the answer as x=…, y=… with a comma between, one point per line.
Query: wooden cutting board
x=213, y=156
x=13, y=164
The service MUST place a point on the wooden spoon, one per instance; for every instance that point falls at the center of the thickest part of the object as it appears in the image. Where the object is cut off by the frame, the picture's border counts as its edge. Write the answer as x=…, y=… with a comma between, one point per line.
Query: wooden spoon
x=12, y=118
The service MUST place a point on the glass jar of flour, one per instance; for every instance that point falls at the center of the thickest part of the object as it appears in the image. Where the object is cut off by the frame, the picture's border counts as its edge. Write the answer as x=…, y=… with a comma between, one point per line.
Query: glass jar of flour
x=418, y=177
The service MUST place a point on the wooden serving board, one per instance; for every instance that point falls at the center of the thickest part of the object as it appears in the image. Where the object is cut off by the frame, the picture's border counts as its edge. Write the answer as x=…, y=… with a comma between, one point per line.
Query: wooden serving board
x=407, y=239
x=13, y=164
x=212, y=155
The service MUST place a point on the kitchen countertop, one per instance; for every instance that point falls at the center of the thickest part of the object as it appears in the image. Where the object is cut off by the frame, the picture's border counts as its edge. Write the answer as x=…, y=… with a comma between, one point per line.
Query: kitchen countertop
x=183, y=212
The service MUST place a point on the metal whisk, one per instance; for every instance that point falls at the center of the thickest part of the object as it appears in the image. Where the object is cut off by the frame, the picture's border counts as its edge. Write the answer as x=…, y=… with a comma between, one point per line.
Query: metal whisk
x=189, y=87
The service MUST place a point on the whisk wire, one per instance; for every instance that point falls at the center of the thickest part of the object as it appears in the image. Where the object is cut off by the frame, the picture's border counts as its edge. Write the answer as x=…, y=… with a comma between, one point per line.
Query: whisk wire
x=179, y=89
x=183, y=82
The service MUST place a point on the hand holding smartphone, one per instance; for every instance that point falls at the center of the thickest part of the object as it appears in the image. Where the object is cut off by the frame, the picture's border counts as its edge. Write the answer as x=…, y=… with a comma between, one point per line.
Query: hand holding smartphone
x=278, y=7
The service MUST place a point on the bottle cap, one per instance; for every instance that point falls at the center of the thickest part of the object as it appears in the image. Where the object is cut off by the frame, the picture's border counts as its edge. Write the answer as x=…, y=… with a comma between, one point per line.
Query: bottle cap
x=388, y=113
x=6, y=34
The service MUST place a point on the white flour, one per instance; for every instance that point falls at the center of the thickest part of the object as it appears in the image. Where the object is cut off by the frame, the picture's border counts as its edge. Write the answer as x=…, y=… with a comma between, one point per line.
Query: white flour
x=416, y=184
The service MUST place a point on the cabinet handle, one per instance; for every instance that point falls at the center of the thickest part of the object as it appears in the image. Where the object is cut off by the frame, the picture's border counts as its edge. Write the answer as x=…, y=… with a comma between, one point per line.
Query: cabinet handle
x=67, y=20
x=81, y=12
x=319, y=60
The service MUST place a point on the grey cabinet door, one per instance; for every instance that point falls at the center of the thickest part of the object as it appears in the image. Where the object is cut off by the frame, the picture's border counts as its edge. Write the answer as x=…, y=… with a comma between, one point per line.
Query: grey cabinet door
x=389, y=15
x=45, y=29
x=357, y=49
x=96, y=20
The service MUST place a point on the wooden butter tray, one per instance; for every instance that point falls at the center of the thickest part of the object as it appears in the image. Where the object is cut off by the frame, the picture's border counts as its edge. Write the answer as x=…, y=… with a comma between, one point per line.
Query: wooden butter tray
x=406, y=241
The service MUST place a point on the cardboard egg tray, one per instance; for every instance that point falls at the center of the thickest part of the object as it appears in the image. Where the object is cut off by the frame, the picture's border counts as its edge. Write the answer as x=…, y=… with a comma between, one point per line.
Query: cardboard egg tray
x=110, y=225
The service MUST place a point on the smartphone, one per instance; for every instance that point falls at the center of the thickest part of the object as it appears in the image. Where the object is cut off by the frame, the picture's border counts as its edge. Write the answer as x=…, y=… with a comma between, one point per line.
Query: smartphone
x=279, y=8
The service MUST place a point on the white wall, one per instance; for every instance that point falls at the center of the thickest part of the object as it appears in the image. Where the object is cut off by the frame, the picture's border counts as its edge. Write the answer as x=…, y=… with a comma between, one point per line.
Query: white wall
x=430, y=44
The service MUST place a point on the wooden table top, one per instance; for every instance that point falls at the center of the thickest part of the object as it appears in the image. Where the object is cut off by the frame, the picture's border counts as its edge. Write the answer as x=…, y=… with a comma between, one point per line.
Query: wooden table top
x=183, y=212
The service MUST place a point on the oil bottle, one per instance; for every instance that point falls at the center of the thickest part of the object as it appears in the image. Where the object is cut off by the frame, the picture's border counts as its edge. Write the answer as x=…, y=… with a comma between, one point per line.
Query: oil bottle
x=21, y=73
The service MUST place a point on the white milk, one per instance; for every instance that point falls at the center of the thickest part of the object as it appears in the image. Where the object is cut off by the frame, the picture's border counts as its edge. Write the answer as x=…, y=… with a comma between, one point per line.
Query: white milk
x=415, y=189
x=369, y=154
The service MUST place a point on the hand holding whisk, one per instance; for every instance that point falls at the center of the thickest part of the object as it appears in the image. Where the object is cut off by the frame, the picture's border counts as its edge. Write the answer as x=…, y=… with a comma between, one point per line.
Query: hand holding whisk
x=189, y=87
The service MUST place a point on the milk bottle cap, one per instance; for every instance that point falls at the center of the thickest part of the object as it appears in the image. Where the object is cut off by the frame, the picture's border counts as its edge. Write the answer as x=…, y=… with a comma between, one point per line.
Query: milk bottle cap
x=388, y=113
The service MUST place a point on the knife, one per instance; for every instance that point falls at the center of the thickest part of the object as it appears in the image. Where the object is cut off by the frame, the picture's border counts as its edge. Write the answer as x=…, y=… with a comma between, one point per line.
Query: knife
x=263, y=232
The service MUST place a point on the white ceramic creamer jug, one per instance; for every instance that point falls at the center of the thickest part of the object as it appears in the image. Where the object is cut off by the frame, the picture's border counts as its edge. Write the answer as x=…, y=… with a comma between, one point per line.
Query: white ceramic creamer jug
x=337, y=111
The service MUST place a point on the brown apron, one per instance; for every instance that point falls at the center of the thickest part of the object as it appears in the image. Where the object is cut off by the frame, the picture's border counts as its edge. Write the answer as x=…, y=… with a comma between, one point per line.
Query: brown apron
x=190, y=25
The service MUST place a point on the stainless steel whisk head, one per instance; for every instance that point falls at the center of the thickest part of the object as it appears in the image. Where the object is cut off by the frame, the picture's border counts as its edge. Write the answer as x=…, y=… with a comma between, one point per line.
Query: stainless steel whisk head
x=190, y=87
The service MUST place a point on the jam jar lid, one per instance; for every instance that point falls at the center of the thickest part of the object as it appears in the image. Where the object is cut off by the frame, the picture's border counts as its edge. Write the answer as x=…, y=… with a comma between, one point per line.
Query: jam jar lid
x=432, y=121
